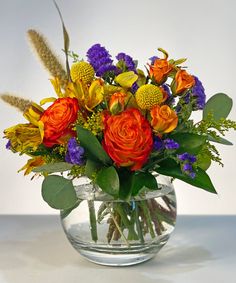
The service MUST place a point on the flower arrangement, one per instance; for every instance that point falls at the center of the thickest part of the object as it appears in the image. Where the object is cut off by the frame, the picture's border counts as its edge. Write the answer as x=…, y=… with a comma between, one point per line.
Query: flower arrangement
x=116, y=124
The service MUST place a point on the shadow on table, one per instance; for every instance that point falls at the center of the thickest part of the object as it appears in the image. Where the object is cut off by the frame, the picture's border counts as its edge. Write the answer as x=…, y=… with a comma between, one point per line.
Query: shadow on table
x=41, y=255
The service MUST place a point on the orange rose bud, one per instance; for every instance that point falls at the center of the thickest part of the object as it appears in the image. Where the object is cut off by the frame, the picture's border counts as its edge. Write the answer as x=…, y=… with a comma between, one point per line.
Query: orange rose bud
x=183, y=81
x=160, y=70
x=58, y=119
x=164, y=119
x=128, y=138
x=117, y=102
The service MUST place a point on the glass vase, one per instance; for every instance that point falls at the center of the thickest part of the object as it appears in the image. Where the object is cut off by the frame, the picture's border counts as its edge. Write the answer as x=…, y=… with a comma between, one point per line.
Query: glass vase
x=120, y=233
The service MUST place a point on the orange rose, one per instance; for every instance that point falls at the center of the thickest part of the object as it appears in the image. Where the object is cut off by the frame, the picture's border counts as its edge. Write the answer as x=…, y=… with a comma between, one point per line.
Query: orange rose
x=117, y=102
x=57, y=121
x=160, y=69
x=128, y=138
x=164, y=119
x=183, y=81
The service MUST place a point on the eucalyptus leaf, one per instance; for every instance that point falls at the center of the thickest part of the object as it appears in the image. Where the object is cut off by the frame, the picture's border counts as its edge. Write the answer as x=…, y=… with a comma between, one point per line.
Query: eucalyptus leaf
x=66, y=212
x=92, y=146
x=108, y=180
x=219, y=105
x=59, y=192
x=53, y=167
x=202, y=180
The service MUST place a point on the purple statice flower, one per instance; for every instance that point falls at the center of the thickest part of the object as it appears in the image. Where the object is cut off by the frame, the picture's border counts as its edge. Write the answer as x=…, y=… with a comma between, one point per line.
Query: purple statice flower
x=101, y=60
x=186, y=163
x=158, y=144
x=153, y=59
x=198, y=93
x=134, y=87
x=170, y=144
x=8, y=145
x=74, y=153
x=187, y=157
x=128, y=60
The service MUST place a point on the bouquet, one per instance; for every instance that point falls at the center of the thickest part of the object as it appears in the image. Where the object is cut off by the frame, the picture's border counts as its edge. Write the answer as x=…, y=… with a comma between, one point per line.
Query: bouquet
x=119, y=126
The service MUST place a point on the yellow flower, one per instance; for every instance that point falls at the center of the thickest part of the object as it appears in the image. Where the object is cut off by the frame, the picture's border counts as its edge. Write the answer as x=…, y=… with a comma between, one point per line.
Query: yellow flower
x=33, y=113
x=82, y=71
x=148, y=96
x=23, y=136
x=88, y=96
x=31, y=164
x=126, y=79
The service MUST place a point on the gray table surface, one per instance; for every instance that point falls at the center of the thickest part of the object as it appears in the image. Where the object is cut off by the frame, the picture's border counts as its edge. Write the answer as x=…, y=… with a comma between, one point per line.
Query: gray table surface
x=34, y=249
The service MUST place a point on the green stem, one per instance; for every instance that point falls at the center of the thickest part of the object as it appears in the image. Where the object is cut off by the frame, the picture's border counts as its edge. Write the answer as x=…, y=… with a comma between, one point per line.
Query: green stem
x=118, y=227
x=138, y=224
x=93, y=222
x=132, y=234
x=147, y=215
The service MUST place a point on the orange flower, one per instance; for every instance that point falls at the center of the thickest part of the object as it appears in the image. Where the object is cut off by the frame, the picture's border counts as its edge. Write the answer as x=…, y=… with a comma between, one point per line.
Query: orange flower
x=164, y=119
x=128, y=138
x=160, y=69
x=57, y=121
x=117, y=102
x=183, y=81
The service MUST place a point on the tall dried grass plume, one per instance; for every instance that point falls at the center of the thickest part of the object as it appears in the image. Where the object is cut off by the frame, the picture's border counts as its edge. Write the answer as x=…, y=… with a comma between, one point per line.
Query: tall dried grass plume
x=47, y=57
x=20, y=103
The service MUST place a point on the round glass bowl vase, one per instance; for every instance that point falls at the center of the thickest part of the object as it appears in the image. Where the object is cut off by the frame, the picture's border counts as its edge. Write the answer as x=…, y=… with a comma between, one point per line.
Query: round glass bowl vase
x=120, y=233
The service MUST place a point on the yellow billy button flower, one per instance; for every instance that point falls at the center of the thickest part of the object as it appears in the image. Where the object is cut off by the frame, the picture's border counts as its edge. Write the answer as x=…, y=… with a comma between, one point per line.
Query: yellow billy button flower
x=82, y=71
x=148, y=96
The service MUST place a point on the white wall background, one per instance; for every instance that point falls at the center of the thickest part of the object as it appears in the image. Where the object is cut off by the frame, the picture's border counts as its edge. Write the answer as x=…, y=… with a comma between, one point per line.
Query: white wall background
x=203, y=31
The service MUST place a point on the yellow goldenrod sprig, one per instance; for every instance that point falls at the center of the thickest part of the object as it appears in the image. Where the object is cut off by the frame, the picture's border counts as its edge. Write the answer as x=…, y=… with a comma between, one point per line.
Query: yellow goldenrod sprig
x=46, y=55
x=20, y=103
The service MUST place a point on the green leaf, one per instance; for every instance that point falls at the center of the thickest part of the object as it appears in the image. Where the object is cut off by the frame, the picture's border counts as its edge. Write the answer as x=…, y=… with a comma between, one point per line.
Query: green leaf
x=204, y=162
x=66, y=212
x=202, y=180
x=219, y=105
x=92, y=146
x=125, y=177
x=108, y=180
x=58, y=192
x=53, y=167
x=91, y=168
x=219, y=140
x=142, y=180
x=191, y=143
x=66, y=39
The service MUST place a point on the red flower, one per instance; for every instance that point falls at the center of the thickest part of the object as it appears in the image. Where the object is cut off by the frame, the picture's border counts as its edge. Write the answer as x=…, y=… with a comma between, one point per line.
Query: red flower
x=128, y=138
x=58, y=119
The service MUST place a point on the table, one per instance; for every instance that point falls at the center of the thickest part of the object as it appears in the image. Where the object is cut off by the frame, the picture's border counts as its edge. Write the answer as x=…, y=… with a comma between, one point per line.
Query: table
x=34, y=249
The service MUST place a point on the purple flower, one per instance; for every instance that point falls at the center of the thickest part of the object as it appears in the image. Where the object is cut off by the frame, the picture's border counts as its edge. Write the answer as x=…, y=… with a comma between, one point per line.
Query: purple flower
x=8, y=145
x=198, y=93
x=128, y=61
x=187, y=157
x=153, y=59
x=186, y=164
x=101, y=60
x=158, y=144
x=170, y=144
x=74, y=153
